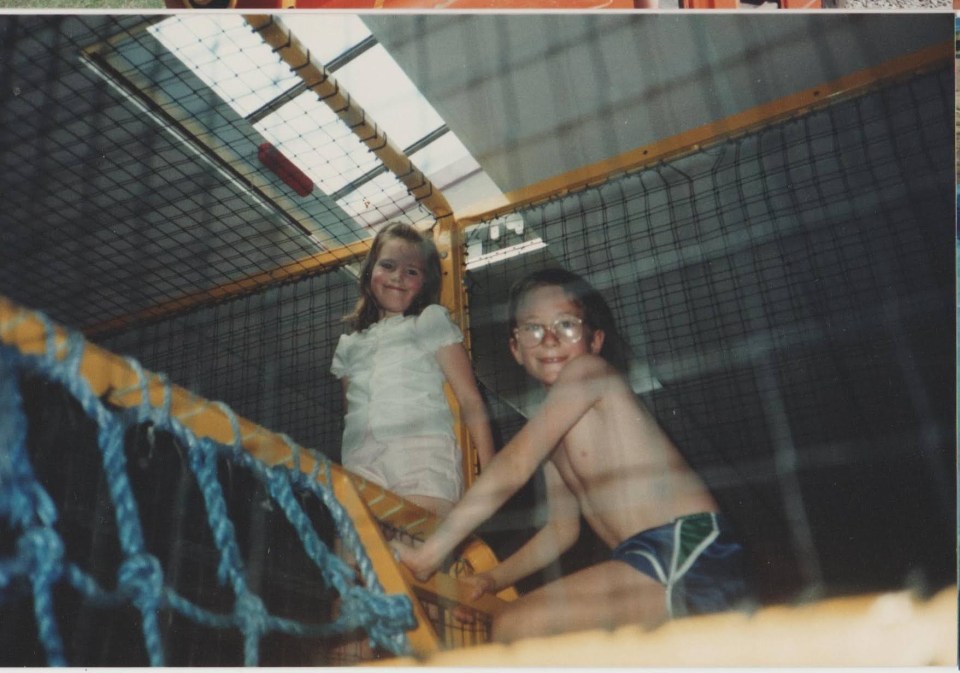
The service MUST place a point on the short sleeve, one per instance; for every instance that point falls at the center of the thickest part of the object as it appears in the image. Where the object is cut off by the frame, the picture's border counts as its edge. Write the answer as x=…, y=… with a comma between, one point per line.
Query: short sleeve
x=338, y=367
x=435, y=329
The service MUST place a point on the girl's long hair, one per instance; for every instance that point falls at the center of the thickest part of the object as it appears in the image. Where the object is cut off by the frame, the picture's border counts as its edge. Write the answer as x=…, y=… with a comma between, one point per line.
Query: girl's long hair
x=366, y=312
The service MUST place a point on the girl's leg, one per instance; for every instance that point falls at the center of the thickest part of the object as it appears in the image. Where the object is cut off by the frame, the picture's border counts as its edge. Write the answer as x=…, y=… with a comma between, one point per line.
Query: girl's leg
x=603, y=596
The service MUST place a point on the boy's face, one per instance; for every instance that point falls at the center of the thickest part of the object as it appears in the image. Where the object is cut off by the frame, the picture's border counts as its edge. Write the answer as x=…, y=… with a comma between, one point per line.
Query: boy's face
x=545, y=306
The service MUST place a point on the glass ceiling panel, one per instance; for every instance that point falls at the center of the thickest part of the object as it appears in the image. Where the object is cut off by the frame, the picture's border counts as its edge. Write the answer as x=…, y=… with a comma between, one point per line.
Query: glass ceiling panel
x=327, y=34
x=445, y=160
x=229, y=57
x=312, y=136
x=380, y=200
x=387, y=95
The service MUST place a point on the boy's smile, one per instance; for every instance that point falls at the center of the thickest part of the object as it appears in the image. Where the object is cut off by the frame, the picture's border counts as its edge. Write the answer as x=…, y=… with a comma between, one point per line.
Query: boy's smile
x=550, y=307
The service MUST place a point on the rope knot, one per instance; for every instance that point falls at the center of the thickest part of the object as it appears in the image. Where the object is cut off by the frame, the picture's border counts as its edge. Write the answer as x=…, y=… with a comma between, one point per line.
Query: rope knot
x=381, y=614
x=43, y=550
x=141, y=576
x=251, y=614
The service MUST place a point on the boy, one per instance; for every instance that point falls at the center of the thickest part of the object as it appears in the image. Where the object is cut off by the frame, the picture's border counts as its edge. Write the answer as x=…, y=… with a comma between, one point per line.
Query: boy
x=605, y=457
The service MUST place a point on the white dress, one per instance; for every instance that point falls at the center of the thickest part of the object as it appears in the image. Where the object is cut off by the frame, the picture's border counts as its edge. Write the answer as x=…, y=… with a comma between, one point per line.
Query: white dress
x=398, y=429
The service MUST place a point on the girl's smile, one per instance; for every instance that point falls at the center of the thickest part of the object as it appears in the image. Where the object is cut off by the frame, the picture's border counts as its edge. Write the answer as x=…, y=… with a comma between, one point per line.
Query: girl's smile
x=397, y=277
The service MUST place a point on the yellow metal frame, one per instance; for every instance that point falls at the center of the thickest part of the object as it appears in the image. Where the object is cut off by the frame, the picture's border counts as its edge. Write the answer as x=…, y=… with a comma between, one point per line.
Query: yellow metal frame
x=114, y=379
x=272, y=30
x=447, y=236
x=448, y=232
x=110, y=375
x=325, y=260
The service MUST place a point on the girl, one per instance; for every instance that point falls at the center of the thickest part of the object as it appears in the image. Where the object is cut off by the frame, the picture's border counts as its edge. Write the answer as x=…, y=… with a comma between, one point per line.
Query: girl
x=398, y=427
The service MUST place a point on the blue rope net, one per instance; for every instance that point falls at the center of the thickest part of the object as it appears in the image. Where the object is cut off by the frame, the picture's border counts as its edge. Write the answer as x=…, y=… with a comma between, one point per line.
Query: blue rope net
x=36, y=561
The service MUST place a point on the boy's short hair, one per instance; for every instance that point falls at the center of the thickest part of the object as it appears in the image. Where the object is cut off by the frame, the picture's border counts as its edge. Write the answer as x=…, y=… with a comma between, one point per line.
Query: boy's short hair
x=596, y=312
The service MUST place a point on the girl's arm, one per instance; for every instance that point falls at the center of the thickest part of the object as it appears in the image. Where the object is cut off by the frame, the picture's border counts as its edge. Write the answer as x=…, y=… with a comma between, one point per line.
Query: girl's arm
x=579, y=386
x=456, y=367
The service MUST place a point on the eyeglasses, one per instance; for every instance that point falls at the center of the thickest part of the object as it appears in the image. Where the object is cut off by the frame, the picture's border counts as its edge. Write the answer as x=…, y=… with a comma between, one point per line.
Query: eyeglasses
x=567, y=329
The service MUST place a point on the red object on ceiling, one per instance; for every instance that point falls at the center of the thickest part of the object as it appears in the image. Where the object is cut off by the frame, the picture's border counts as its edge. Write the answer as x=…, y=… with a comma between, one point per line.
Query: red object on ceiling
x=284, y=169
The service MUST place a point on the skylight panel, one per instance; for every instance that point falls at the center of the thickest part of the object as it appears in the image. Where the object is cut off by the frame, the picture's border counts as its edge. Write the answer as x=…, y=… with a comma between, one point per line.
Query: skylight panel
x=455, y=172
x=228, y=56
x=327, y=34
x=378, y=201
x=387, y=95
x=312, y=136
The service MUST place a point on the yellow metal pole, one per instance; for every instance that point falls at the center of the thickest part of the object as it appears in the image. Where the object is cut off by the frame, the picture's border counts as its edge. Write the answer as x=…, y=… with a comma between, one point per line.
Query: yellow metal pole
x=448, y=240
x=113, y=378
x=328, y=259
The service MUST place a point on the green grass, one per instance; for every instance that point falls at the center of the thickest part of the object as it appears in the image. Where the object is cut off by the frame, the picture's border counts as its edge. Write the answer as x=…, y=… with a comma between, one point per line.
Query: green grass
x=82, y=4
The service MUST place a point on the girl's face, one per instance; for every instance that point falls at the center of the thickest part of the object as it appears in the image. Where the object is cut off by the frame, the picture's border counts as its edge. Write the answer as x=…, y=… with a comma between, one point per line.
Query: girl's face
x=397, y=277
x=548, y=307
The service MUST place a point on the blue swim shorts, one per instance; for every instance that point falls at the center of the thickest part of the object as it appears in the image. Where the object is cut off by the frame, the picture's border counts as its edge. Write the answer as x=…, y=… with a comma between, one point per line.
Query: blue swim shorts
x=697, y=558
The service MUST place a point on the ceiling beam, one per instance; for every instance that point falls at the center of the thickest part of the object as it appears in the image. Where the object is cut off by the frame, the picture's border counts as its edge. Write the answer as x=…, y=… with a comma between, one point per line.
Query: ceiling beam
x=318, y=79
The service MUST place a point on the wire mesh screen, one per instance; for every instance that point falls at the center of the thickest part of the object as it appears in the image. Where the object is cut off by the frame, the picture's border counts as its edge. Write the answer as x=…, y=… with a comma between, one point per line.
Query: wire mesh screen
x=130, y=182
x=267, y=355
x=786, y=302
x=139, y=206
x=785, y=298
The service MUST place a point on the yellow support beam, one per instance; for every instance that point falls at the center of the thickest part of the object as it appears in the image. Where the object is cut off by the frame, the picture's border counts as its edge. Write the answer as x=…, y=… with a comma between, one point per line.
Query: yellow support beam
x=315, y=76
x=329, y=259
x=447, y=237
x=113, y=378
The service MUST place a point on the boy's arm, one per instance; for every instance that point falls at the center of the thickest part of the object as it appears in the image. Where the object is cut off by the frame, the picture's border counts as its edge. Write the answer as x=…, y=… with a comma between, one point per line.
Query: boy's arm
x=580, y=385
x=557, y=536
x=457, y=369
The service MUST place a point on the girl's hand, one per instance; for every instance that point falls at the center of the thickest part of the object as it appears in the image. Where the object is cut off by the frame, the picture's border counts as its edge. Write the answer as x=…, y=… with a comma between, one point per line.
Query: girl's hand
x=415, y=559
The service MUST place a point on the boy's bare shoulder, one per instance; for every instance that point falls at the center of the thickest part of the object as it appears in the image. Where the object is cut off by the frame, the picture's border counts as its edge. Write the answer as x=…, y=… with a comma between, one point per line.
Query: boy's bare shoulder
x=584, y=367
x=591, y=370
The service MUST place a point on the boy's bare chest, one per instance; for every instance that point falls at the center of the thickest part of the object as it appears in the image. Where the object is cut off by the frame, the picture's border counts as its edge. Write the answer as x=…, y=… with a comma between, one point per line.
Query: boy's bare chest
x=580, y=457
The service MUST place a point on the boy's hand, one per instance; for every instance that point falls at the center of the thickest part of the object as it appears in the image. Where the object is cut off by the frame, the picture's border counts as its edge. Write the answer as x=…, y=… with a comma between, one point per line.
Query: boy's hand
x=415, y=560
x=479, y=584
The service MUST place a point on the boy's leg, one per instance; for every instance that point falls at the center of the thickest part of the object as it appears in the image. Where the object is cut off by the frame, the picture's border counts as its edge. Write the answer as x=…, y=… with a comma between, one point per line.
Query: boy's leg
x=606, y=595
